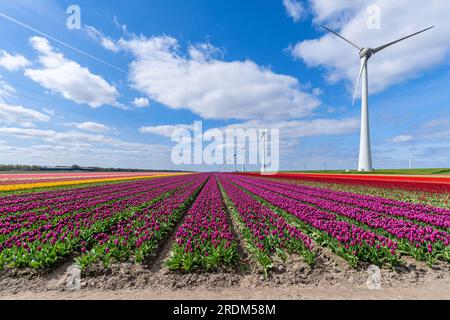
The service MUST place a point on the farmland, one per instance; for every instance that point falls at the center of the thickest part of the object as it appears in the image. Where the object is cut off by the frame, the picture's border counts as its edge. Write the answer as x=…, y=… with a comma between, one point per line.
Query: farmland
x=207, y=231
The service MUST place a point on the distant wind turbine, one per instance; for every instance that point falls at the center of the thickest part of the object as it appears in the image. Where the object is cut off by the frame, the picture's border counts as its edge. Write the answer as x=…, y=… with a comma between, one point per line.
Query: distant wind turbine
x=264, y=139
x=244, y=149
x=365, y=156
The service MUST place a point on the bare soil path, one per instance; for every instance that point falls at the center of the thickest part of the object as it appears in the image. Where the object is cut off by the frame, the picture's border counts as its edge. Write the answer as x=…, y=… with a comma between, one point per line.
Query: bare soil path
x=330, y=278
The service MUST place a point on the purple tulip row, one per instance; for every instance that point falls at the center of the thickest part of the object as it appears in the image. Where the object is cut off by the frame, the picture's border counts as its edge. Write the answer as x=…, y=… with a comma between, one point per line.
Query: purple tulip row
x=50, y=199
x=375, y=204
x=48, y=242
x=418, y=236
x=17, y=199
x=385, y=201
x=205, y=239
x=139, y=234
x=361, y=244
x=64, y=210
x=83, y=215
x=268, y=232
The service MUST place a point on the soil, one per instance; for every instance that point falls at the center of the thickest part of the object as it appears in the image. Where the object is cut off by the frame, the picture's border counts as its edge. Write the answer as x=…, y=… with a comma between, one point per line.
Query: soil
x=329, y=278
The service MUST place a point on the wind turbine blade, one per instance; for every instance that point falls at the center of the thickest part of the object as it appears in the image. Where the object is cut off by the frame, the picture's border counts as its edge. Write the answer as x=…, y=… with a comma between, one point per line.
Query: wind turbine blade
x=394, y=42
x=363, y=64
x=337, y=34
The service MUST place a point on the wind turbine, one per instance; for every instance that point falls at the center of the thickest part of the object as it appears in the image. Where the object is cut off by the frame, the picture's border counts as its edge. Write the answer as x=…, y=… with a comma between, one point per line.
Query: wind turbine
x=264, y=139
x=228, y=165
x=365, y=155
x=244, y=149
x=410, y=160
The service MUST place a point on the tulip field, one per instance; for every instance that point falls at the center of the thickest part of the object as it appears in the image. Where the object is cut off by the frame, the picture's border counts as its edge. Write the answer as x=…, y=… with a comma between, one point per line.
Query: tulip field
x=207, y=221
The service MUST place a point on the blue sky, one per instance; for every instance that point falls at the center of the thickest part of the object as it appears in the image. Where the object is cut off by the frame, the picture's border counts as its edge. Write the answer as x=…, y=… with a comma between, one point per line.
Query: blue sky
x=228, y=63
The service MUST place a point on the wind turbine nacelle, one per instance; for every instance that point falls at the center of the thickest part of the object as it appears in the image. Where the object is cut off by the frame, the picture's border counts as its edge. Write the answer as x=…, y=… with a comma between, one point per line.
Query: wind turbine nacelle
x=366, y=52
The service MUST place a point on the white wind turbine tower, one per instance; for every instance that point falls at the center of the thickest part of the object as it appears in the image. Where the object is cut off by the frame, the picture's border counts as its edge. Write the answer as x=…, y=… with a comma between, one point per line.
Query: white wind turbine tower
x=264, y=138
x=410, y=160
x=365, y=156
x=244, y=149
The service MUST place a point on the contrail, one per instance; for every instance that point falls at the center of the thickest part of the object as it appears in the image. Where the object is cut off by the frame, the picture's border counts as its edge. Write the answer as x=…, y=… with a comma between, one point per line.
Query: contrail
x=60, y=42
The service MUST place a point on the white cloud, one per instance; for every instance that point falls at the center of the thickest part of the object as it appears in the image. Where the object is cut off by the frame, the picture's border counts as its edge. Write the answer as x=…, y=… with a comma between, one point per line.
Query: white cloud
x=20, y=116
x=110, y=45
x=6, y=90
x=288, y=129
x=68, y=78
x=317, y=91
x=70, y=138
x=50, y=112
x=305, y=128
x=401, y=138
x=294, y=9
x=210, y=87
x=402, y=61
x=66, y=148
x=165, y=130
x=92, y=127
x=291, y=134
x=335, y=11
x=437, y=129
x=93, y=32
x=106, y=42
x=121, y=27
x=141, y=102
x=443, y=121
x=13, y=62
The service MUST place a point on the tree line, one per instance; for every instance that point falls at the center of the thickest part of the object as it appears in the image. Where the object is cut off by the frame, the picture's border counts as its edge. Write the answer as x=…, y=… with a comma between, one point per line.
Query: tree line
x=20, y=167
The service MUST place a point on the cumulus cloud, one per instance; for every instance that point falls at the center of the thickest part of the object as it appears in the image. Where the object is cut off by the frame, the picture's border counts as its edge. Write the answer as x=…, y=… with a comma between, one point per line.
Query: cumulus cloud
x=6, y=90
x=92, y=127
x=291, y=134
x=68, y=78
x=402, y=138
x=304, y=128
x=165, y=130
x=403, y=61
x=294, y=9
x=69, y=138
x=443, y=121
x=289, y=130
x=66, y=148
x=336, y=11
x=436, y=129
x=21, y=116
x=141, y=102
x=106, y=42
x=48, y=111
x=208, y=86
x=110, y=45
x=13, y=62
x=120, y=26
